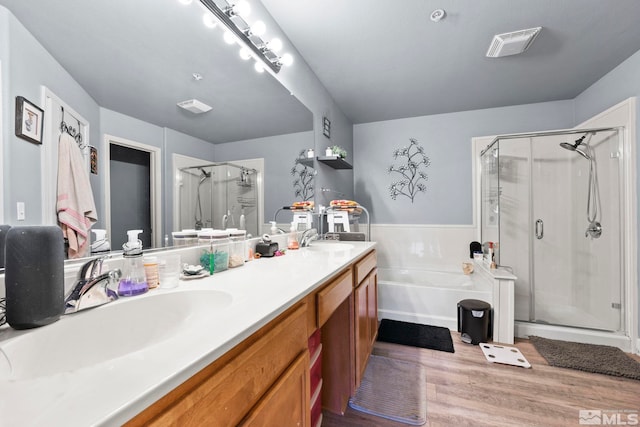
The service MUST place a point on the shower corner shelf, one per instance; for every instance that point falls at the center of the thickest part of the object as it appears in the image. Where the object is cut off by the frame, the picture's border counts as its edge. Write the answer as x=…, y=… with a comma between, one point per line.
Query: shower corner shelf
x=335, y=162
x=305, y=161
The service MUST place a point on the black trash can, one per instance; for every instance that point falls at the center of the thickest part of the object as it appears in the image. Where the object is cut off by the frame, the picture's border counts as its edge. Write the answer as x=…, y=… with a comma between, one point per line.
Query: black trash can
x=474, y=321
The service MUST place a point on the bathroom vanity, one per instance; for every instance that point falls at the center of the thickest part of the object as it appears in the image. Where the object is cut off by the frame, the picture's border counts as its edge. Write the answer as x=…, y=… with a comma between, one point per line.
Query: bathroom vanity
x=240, y=353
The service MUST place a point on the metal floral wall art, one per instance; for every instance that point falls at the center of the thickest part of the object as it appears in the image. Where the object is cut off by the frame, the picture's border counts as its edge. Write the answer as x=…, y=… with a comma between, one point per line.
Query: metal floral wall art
x=412, y=178
x=304, y=175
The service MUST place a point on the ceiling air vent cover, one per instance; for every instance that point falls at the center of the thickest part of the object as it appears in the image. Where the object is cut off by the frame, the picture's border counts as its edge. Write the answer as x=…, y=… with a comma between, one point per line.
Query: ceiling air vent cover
x=194, y=106
x=512, y=43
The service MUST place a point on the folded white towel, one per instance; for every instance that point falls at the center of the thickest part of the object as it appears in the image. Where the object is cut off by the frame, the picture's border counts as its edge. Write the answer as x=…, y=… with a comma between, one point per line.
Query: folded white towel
x=75, y=205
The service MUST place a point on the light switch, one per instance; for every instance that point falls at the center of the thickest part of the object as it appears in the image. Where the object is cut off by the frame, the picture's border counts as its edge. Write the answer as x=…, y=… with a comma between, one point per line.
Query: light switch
x=20, y=211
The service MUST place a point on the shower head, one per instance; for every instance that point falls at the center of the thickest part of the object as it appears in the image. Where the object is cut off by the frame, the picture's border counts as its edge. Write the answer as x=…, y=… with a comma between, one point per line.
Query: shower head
x=575, y=147
x=204, y=175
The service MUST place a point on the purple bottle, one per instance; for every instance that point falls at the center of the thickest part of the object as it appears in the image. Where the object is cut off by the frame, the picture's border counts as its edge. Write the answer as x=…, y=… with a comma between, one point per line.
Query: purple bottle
x=133, y=281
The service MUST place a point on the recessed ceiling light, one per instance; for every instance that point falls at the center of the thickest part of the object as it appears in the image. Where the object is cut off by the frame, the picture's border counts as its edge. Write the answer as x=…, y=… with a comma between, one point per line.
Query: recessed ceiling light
x=197, y=76
x=437, y=15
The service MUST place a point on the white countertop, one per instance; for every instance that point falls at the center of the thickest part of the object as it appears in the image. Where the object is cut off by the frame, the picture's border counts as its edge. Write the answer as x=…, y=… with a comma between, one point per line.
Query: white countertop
x=113, y=391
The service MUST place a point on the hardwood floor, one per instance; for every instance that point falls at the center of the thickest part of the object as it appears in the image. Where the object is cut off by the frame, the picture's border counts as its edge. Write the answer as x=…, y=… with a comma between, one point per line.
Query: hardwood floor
x=464, y=389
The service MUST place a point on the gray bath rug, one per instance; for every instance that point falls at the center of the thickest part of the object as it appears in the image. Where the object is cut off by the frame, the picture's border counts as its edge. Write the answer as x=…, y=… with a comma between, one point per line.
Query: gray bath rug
x=393, y=389
x=599, y=359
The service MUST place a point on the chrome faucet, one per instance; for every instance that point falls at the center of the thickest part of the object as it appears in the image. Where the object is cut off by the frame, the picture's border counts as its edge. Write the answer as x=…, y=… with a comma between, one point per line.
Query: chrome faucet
x=308, y=235
x=92, y=287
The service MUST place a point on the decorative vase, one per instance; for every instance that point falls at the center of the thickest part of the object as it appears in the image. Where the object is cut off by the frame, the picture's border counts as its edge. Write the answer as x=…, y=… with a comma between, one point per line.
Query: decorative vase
x=328, y=152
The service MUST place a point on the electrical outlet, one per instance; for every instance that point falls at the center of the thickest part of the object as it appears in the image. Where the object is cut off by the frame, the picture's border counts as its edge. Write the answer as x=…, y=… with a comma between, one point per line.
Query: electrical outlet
x=20, y=211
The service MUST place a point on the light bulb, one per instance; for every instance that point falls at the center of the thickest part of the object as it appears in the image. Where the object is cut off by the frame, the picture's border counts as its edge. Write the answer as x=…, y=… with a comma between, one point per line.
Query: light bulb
x=286, y=59
x=185, y=2
x=275, y=44
x=229, y=38
x=258, y=28
x=258, y=67
x=245, y=53
x=242, y=8
x=209, y=20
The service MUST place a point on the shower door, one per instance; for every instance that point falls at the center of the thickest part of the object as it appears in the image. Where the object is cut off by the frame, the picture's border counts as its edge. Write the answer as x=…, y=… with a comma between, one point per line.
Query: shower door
x=566, y=276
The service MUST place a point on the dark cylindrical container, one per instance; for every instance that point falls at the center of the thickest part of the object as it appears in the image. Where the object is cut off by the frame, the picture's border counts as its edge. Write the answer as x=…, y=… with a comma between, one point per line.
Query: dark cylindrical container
x=3, y=238
x=474, y=321
x=34, y=276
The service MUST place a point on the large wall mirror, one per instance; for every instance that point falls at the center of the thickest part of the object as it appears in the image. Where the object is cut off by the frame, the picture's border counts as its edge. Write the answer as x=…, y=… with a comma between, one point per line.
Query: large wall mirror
x=123, y=66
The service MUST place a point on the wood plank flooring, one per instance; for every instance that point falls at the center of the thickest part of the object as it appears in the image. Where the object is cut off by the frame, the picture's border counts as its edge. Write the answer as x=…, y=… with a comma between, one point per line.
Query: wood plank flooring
x=463, y=389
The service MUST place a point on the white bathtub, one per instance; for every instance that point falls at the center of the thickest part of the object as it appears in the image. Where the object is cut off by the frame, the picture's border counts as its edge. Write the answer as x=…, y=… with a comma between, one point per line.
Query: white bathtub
x=427, y=296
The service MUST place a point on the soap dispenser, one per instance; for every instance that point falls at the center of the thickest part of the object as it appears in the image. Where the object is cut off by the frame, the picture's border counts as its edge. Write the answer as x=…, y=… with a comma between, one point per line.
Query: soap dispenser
x=292, y=242
x=133, y=280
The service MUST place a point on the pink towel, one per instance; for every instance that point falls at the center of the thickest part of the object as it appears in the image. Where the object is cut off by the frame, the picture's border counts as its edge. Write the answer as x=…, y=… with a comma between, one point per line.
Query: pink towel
x=75, y=206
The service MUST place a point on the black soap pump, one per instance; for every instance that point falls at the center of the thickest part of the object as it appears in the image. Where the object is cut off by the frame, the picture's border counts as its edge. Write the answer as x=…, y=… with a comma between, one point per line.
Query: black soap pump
x=133, y=281
x=474, y=247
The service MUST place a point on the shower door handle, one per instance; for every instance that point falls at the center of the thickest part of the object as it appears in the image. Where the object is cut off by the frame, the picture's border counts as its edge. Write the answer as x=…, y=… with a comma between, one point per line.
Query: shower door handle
x=539, y=229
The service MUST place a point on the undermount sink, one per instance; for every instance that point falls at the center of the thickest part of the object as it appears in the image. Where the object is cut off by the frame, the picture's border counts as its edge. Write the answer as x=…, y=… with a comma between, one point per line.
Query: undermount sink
x=103, y=333
x=330, y=246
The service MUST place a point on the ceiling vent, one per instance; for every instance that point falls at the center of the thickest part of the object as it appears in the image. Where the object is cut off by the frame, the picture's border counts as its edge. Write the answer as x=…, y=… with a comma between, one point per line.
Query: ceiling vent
x=512, y=43
x=195, y=106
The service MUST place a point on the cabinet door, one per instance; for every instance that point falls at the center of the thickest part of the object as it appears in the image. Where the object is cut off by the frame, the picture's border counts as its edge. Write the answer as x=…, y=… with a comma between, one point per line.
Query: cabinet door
x=287, y=403
x=372, y=307
x=362, y=328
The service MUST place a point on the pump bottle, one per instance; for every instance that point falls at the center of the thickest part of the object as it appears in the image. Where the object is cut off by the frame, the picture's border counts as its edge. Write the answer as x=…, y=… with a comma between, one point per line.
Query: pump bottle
x=133, y=281
x=292, y=241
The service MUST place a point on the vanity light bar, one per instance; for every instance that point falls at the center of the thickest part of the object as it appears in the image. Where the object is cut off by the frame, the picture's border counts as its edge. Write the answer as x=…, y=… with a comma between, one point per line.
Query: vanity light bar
x=260, y=52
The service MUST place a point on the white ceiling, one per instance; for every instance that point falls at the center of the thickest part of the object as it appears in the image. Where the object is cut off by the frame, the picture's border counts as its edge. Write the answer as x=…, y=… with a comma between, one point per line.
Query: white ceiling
x=384, y=60
x=380, y=60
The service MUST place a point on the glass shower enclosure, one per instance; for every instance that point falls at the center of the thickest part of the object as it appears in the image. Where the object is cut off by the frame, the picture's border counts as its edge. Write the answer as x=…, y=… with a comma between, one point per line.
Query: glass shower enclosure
x=552, y=202
x=220, y=196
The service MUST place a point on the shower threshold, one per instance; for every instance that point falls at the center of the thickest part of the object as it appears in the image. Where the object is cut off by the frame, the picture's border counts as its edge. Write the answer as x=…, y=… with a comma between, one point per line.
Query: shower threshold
x=565, y=333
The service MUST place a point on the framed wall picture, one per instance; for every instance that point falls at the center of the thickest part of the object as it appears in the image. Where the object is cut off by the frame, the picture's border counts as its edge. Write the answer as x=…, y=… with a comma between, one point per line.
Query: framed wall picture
x=29, y=120
x=326, y=127
x=93, y=159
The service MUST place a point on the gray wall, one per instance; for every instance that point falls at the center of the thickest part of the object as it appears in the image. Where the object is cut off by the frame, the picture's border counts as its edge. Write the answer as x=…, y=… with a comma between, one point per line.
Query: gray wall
x=26, y=66
x=279, y=153
x=446, y=139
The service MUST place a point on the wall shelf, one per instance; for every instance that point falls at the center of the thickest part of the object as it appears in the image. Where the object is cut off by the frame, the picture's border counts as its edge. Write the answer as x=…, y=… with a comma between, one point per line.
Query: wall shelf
x=335, y=162
x=305, y=161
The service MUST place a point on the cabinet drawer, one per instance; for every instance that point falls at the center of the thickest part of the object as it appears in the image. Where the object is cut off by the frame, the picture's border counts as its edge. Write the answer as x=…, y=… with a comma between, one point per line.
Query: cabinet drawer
x=333, y=295
x=364, y=267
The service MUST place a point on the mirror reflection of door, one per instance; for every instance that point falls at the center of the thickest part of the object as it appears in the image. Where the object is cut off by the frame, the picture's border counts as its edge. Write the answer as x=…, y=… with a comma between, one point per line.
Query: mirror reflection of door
x=132, y=194
x=130, y=184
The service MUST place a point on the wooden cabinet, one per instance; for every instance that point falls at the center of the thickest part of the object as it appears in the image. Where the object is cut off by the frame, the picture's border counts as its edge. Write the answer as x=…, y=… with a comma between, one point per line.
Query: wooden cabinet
x=348, y=334
x=265, y=380
x=331, y=296
x=262, y=372
x=366, y=322
x=333, y=316
x=365, y=314
x=287, y=402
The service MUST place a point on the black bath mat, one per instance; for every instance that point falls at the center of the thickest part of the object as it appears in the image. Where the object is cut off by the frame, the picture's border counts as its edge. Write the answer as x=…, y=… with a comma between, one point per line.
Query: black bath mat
x=415, y=335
